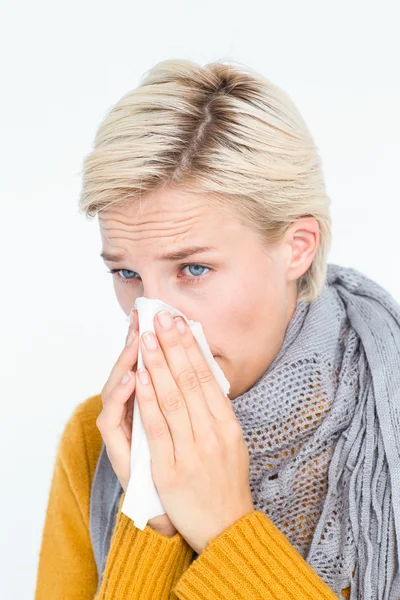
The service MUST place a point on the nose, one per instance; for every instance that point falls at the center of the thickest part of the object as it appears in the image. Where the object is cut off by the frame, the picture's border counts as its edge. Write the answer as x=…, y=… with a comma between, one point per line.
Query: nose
x=153, y=291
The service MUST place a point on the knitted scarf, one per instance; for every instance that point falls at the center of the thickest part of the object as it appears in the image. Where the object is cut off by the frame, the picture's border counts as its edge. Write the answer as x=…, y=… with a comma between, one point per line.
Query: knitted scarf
x=322, y=425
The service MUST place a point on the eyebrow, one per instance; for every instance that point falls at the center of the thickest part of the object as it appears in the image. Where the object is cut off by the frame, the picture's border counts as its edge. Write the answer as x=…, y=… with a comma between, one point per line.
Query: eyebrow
x=180, y=254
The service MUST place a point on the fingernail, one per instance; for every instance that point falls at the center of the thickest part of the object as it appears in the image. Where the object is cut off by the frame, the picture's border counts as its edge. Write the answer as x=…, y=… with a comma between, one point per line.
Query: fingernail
x=165, y=319
x=126, y=377
x=150, y=340
x=180, y=324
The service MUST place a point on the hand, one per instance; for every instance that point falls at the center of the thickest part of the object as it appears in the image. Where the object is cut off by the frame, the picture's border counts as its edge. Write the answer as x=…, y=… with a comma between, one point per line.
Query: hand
x=116, y=419
x=199, y=459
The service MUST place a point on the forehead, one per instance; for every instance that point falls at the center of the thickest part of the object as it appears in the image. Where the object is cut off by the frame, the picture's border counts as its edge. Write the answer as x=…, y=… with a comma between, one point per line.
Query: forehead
x=165, y=214
x=168, y=226
x=162, y=206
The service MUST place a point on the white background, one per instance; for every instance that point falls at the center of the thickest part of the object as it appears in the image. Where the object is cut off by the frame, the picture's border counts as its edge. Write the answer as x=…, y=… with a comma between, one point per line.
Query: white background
x=63, y=66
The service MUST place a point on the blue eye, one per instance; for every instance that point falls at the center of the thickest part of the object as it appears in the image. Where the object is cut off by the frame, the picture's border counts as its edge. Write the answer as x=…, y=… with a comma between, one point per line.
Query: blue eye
x=193, y=265
x=193, y=279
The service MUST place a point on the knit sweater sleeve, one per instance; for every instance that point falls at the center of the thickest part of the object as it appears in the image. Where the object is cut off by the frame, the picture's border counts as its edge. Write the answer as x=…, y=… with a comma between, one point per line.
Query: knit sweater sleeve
x=140, y=564
x=252, y=559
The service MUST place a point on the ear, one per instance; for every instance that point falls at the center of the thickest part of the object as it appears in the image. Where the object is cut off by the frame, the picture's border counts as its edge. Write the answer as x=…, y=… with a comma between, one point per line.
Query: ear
x=302, y=238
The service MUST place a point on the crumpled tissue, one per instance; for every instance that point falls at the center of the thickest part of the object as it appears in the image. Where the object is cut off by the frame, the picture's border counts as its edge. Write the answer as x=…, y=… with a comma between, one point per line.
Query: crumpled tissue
x=142, y=501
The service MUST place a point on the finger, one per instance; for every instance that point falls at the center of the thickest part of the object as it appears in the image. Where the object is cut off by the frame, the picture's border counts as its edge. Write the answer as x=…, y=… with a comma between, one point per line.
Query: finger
x=219, y=405
x=158, y=435
x=169, y=398
x=126, y=360
x=179, y=364
x=109, y=423
x=127, y=420
x=114, y=405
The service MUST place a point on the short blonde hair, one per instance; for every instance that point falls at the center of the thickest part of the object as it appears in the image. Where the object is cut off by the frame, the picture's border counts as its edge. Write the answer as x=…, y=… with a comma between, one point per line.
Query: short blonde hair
x=221, y=130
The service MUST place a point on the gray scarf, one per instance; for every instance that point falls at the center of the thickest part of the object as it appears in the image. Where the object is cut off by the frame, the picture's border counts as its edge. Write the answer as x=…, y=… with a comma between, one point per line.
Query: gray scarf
x=322, y=426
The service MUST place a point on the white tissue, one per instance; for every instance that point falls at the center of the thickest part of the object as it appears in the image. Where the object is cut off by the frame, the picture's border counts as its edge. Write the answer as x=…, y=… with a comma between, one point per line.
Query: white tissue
x=142, y=501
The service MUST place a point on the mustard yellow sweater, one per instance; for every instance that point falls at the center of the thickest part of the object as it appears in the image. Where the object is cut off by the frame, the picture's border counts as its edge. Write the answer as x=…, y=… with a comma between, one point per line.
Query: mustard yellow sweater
x=251, y=560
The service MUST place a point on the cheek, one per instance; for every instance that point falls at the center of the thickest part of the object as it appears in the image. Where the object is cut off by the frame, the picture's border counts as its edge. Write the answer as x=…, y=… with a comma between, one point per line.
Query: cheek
x=125, y=296
x=230, y=324
x=250, y=320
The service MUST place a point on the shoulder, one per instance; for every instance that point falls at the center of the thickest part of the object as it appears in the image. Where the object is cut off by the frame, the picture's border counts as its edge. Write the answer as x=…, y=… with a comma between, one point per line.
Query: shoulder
x=84, y=417
x=80, y=444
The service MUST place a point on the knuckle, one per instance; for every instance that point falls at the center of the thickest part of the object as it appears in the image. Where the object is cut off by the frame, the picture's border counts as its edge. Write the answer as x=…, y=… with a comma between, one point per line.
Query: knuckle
x=172, y=401
x=210, y=445
x=204, y=374
x=174, y=341
x=100, y=422
x=134, y=334
x=104, y=393
x=156, y=360
x=108, y=397
x=233, y=431
x=187, y=380
x=158, y=430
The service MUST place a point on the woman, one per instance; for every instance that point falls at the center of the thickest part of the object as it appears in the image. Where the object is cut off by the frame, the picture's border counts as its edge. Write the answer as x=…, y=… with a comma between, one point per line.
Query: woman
x=284, y=488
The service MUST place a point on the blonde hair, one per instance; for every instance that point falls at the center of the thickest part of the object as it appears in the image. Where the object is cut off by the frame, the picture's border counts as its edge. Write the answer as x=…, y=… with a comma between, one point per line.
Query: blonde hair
x=221, y=130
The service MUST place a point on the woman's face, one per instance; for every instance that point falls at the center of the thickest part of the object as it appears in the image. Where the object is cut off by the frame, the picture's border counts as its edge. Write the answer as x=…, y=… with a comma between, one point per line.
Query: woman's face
x=243, y=297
